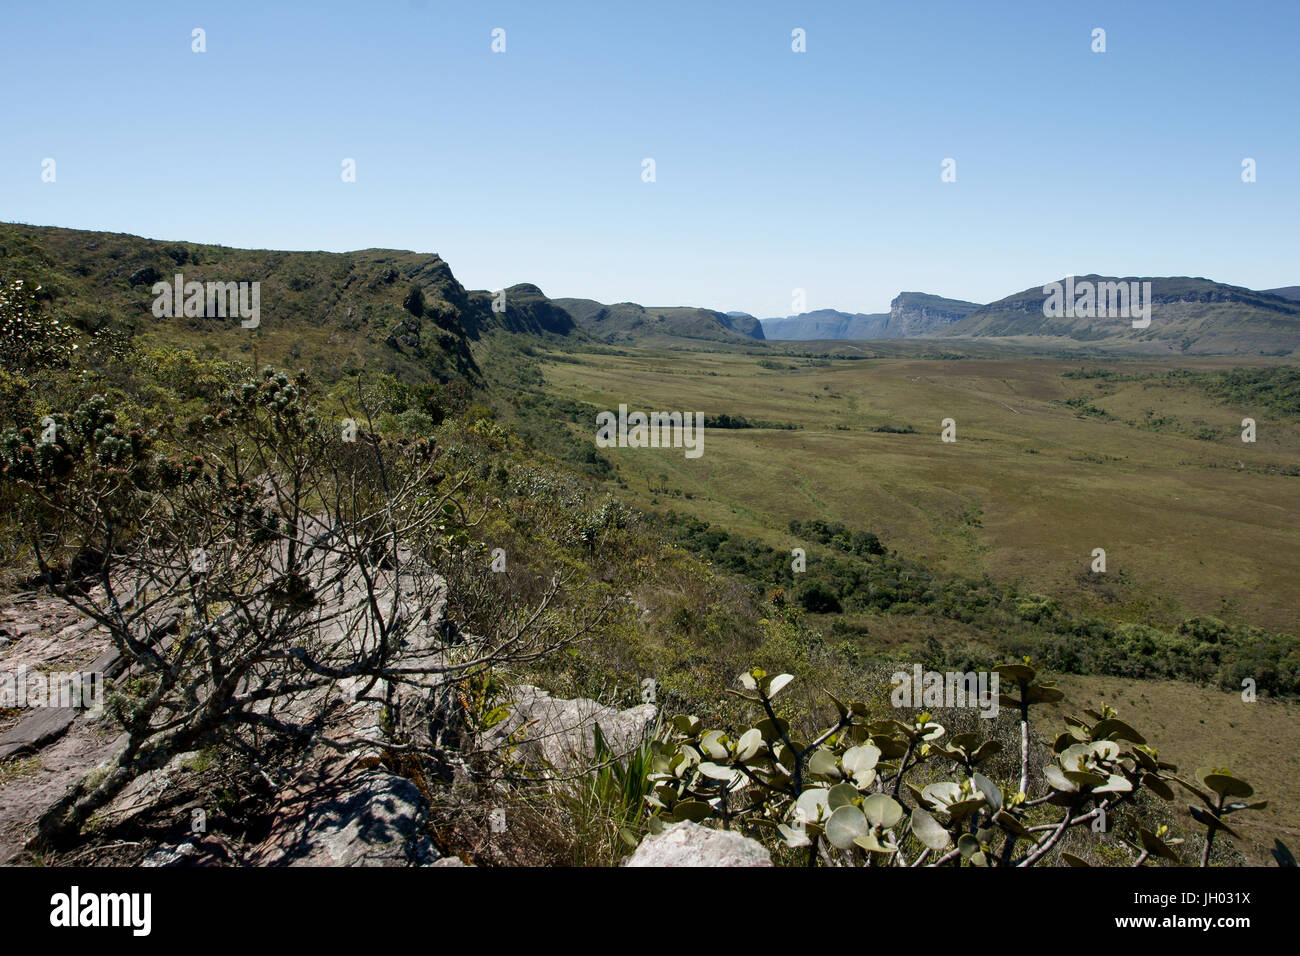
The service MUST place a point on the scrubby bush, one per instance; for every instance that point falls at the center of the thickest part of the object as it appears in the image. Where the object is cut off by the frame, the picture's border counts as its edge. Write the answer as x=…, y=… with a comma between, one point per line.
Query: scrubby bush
x=29, y=339
x=254, y=571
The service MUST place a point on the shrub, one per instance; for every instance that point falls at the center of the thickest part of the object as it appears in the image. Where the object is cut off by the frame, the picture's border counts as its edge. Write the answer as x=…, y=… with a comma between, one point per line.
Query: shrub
x=842, y=796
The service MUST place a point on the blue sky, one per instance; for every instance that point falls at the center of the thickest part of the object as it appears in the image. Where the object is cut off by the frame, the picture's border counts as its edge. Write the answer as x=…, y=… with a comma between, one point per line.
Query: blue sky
x=775, y=170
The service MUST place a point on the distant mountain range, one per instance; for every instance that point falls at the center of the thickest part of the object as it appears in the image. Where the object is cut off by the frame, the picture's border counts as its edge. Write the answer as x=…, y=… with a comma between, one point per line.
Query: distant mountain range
x=910, y=314
x=1189, y=315
x=825, y=324
x=405, y=313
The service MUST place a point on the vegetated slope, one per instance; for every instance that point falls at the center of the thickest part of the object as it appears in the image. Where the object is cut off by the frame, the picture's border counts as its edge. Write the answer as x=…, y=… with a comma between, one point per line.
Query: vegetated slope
x=1286, y=292
x=1188, y=315
x=382, y=310
x=527, y=310
x=630, y=322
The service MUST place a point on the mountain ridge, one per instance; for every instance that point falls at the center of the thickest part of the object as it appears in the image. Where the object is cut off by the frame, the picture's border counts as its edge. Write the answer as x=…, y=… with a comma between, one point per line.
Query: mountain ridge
x=626, y=321
x=402, y=311
x=910, y=314
x=1187, y=315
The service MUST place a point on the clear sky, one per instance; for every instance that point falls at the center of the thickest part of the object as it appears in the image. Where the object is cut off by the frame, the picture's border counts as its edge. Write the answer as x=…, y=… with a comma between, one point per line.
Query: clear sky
x=775, y=170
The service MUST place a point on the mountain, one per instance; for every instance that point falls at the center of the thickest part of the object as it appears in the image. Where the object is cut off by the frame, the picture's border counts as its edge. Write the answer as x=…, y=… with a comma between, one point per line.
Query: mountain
x=919, y=313
x=406, y=314
x=742, y=323
x=527, y=310
x=1191, y=315
x=628, y=321
x=910, y=314
x=825, y=324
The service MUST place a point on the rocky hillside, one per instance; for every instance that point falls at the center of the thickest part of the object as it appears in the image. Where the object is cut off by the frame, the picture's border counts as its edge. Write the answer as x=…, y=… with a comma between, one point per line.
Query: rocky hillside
x=332, y=313
x=326, y=810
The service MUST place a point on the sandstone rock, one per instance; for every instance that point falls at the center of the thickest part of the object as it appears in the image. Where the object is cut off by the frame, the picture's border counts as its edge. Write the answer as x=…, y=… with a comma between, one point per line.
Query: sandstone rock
x=690, y=844
x=359, y=818
x=561, y=733
x=145, y=791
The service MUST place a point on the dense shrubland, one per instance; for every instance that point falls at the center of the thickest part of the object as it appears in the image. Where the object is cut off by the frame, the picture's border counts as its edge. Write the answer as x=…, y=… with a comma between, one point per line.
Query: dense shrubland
x=855, y=575
x=1276, y=388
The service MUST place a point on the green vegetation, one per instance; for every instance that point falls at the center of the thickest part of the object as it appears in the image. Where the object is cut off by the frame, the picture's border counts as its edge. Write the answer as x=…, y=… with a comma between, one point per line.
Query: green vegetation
x=1276, y=388
x=955, y=556
x=856, y=576
x=842, y=794
x=1184, y=519
x=740, y=421
x=332, y=314
x=1188, y=315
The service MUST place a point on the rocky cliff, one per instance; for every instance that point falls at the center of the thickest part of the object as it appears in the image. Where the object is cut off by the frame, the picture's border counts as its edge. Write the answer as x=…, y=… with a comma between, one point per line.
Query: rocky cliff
x=918, y=313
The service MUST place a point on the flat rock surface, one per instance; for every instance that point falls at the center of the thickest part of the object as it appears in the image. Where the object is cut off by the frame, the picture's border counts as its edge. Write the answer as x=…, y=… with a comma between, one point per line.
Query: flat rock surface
x=366, y=818
x=28, y=785
x=40, y=632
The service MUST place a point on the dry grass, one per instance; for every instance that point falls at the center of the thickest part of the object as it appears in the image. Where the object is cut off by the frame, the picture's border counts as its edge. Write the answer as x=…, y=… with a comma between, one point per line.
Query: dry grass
x=1197, y=727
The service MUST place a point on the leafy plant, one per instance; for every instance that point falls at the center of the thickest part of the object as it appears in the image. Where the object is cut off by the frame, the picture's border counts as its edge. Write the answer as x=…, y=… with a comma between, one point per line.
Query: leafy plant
x=844, y=797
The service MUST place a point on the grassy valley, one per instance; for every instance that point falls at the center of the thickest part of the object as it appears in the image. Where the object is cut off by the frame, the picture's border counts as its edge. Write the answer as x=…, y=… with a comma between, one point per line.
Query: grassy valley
x=1048, y=465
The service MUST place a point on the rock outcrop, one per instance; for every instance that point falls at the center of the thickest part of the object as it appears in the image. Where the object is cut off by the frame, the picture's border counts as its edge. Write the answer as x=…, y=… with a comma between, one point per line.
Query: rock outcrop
x=917, y=313
x=338, y=804
x=561, y=734
x=371, y=818
x=690, y=844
